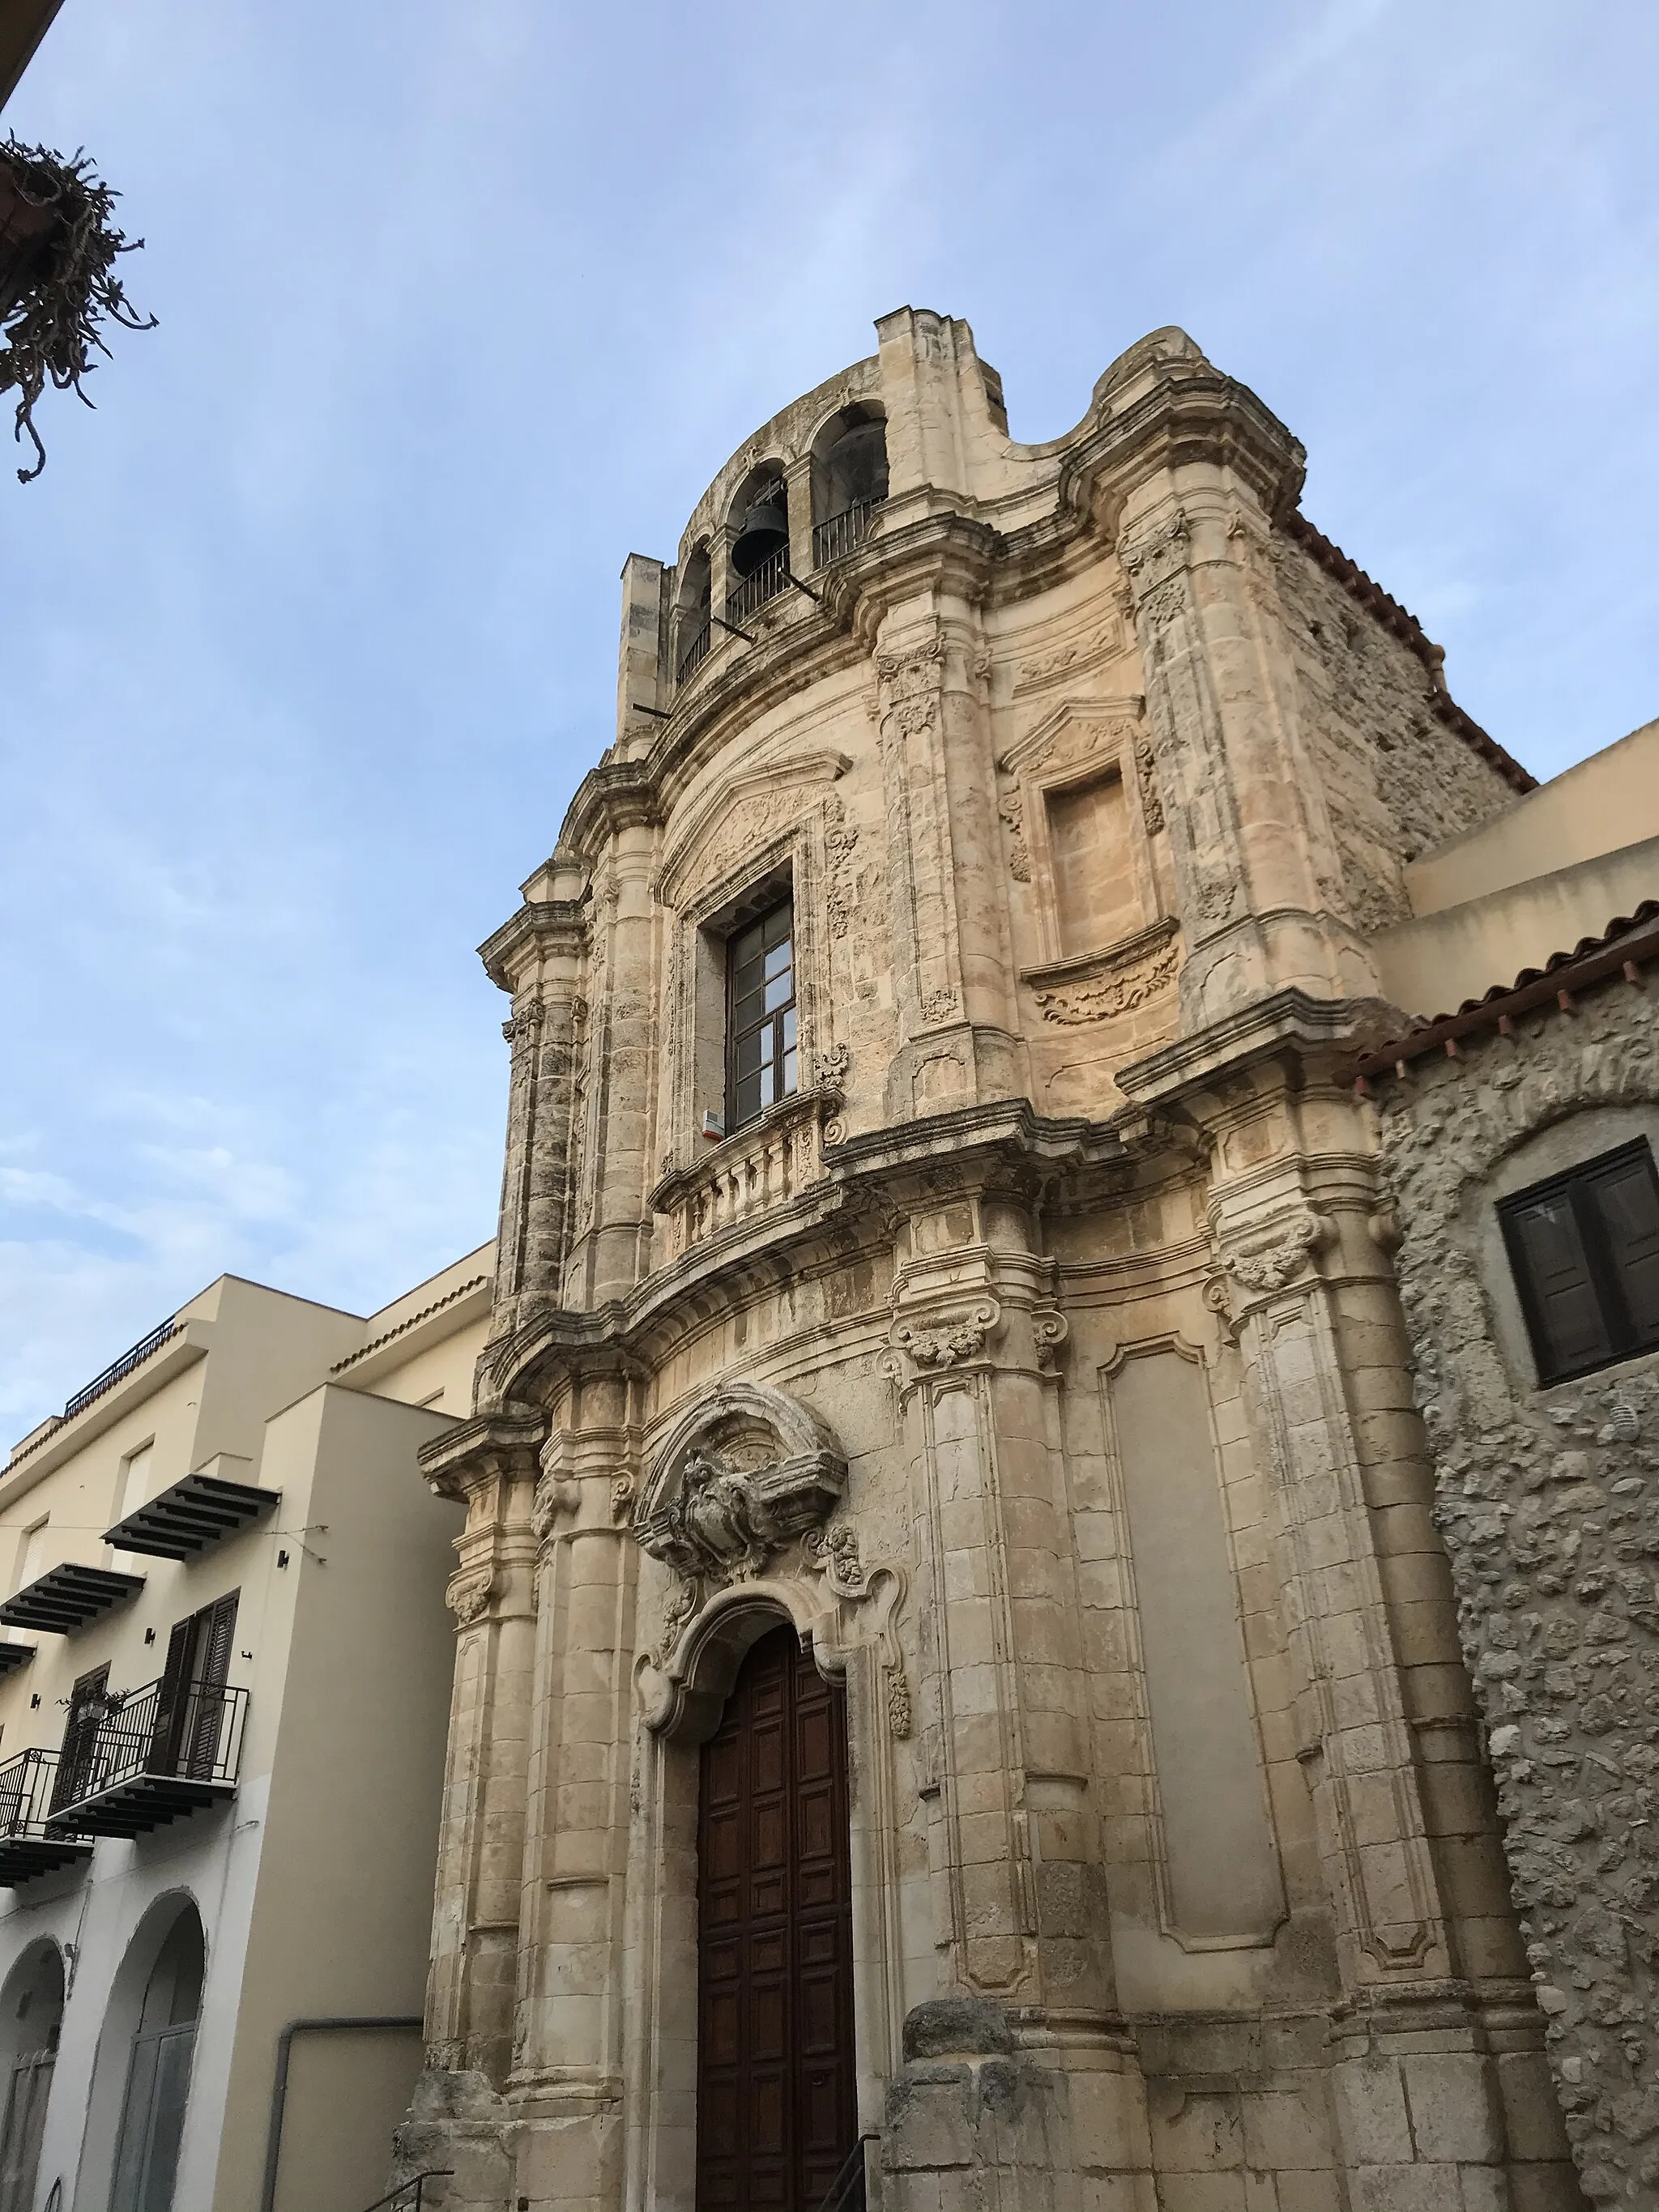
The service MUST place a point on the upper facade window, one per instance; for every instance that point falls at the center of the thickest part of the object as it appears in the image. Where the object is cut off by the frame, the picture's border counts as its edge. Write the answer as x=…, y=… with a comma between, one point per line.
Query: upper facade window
x=1585, y=1247
x=762, y=1059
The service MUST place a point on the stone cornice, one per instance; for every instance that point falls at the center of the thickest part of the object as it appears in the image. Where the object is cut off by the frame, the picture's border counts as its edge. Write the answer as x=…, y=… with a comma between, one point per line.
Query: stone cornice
x=538, y=927
x=618, y=794
x=1192, y=413
x=1283, y=1024
x=505, y=1442
x=872, y=1179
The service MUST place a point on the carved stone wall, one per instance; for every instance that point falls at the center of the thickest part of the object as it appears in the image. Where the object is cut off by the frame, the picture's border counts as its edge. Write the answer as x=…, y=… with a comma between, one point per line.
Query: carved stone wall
x=1548, y=1500
x=1039, y=1361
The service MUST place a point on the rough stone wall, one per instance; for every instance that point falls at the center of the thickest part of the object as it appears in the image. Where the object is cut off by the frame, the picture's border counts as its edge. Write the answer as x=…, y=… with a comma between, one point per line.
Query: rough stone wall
x=1396, y=780
x=1548, y=1500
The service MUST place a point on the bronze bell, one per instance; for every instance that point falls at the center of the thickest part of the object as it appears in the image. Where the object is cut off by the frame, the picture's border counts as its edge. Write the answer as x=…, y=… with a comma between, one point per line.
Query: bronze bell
x=765, y=529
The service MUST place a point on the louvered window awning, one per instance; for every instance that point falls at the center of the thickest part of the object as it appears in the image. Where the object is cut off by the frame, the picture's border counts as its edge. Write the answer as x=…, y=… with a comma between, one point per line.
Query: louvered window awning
x=14, y=1656
x=183, y=1520
x=68, y=1598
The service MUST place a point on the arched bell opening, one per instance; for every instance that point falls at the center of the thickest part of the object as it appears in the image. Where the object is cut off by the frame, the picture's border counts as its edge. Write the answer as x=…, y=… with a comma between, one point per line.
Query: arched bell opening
x=776, y=2074
x=31, y=2018
x=694, y=615
x=849, y=480
x=758, y=553
x=141, y=2078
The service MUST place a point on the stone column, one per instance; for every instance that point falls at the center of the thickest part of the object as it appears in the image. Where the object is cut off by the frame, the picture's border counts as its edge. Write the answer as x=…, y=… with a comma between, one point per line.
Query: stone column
x=952, y=951
x=488, y=1465
x=1434, y=1995
x=537, y=957
x=1020, y=2064
x=568, y=2062
x=611, y=1148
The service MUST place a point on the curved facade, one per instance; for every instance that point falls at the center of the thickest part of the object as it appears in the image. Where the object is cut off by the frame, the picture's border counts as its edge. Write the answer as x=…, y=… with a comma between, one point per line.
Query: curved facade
x=938, y=1215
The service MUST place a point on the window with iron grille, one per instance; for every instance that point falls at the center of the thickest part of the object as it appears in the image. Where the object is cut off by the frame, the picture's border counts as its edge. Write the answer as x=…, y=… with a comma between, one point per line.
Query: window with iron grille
x=1584, y=1247
x=761, y=1061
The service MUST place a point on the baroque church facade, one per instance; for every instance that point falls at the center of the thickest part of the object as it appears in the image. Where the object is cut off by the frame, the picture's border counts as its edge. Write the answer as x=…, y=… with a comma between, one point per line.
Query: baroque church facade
x=959, y=1699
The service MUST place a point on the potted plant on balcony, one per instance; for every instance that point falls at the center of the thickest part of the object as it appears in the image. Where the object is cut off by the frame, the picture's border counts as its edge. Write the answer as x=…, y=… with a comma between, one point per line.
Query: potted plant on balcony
x=58, y=249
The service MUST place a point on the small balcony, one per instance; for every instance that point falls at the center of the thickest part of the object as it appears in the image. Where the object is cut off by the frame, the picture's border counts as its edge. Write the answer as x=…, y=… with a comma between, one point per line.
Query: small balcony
x=153, y=1756
x=761, y=585
x=27, y=1846
x=841, y=534
x=765, y=1165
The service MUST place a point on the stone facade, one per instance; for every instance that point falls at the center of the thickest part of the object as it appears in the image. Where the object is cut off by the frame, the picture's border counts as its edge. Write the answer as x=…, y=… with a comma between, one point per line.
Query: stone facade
x=1546, y=1501
x=1040, y=1359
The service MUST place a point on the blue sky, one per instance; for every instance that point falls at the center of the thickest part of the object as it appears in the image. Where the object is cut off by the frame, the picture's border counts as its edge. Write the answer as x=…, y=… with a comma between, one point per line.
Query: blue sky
x=310, y=629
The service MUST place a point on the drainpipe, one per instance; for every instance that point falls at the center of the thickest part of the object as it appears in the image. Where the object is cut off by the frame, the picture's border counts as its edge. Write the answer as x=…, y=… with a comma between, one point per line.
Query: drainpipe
x=345, y=2024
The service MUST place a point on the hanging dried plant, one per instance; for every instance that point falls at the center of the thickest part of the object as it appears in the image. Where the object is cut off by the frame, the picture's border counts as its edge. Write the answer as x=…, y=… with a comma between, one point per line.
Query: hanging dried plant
x=58, y=248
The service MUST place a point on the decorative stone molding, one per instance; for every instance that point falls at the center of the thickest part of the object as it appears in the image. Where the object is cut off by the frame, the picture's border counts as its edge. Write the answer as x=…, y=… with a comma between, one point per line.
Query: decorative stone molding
x=740, y=1477
x=724, y=1524
x=1268, y=1266
x=908, y=690
x=1011, y=808
x=1071, y=659
x=841, y=839
x=469, y=1594
x=742, y=814
x=1099, y=985
x=948, y=1341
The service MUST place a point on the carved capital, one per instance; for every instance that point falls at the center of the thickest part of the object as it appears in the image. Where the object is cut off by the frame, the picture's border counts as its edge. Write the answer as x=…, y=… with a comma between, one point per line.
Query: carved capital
x=949, y=1338
x=469, y=1594
x=1269, y=1264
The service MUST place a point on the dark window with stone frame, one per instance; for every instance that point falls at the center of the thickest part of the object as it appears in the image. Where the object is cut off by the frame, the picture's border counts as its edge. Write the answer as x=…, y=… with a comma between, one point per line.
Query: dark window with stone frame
x=1584, y=1248
x=761, y=1057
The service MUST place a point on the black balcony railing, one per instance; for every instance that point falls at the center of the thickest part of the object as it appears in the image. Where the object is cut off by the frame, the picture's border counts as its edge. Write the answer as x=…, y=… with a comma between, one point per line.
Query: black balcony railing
x=150, y=1756
x=693, y=649
x=134, y=1356
x=763, y=584
x=27, y=1846
x=841, y=534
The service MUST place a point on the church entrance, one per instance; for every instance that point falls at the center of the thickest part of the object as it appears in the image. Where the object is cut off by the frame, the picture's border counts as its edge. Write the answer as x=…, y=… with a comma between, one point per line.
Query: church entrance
x=776, y=2106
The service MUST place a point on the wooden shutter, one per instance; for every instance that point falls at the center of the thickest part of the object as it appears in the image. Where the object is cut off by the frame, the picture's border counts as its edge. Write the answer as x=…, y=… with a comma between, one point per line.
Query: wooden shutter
x=1558, y=1289
x=172, y=1698
x=214, y=1643
x=215, y=1638
x=1626, y=1198
x=78, y=1759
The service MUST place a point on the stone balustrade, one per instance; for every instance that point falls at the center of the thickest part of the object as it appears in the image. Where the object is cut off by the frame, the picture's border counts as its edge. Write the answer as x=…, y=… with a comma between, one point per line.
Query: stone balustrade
x=764, y=1165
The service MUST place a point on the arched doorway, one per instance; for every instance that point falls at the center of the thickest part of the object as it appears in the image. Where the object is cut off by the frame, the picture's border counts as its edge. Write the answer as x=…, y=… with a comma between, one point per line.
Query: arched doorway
x=30, y=2014
x=141, y=2080
x=776, y=2101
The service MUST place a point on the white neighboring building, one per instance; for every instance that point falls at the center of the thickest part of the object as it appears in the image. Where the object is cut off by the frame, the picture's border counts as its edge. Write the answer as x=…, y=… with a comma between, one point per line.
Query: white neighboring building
x=227, y=1667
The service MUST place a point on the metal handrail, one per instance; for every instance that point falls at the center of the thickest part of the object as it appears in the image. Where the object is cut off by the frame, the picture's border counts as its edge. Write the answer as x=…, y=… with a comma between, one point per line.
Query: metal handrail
x=838, y=535
x=400, y=2200
x=194, y=1734
x=696, y=650
x=840, y=2195
x=133, y=1356
x=765, y=583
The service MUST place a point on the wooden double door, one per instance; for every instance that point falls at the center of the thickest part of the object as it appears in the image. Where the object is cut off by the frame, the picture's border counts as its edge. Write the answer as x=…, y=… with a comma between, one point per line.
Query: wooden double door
x=777, y=2098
